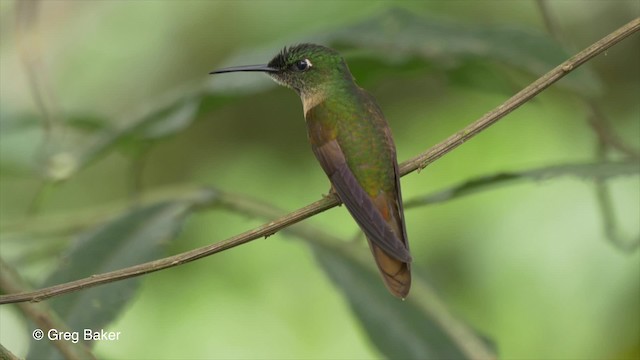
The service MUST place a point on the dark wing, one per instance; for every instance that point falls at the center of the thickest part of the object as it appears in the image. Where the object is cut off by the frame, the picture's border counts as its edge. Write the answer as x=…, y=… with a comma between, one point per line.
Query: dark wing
x=380, y=217
x=390, y=252
x=358, y=202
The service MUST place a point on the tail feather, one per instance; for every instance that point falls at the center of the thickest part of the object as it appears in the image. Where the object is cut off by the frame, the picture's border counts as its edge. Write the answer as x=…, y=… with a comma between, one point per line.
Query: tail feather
x=395, y=273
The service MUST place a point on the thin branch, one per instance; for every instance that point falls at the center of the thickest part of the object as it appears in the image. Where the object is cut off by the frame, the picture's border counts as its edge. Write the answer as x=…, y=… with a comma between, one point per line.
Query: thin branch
x=607, y=139
x=6, y=354
x=422, y=160
x=328, y=202
x=595, y=171
x=42, y=316
x=597, y=120
x=65, y=223
x=30, y=53
x=605, y=204
x=138, y=163
x=602, y=127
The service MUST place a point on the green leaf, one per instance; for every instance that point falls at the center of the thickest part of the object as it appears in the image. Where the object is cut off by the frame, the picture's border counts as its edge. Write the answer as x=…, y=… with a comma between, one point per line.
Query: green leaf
x=166, y=119
x=10, y=121
x=399, y=329
x=398, y=36
x=170, y=120
x=20, y=138
x=135, y=237
x=88, y=123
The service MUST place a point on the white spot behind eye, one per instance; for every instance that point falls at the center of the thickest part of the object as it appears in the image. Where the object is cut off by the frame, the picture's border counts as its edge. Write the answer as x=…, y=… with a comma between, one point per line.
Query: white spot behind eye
x=308, y=62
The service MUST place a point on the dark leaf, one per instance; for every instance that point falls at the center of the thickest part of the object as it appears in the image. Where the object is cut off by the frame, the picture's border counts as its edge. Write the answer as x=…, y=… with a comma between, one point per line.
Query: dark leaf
x=137, y=236
x=167, y=119
x=88, y=123
x=399, y=329
x=399, y=36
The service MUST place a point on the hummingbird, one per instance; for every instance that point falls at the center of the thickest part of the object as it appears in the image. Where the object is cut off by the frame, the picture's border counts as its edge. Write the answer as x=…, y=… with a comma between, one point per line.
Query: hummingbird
x=352, y=141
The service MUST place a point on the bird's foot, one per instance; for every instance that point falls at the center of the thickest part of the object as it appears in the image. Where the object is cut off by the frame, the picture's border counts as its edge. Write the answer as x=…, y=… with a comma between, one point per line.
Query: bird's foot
x=331, y=194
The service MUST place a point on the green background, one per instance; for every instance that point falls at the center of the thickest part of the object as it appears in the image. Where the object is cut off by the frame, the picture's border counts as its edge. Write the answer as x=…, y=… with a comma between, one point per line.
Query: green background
x=528, y=266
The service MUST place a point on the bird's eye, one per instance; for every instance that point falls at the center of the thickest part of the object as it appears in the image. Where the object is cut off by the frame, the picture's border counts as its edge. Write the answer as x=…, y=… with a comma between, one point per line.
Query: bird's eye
x=302, y=65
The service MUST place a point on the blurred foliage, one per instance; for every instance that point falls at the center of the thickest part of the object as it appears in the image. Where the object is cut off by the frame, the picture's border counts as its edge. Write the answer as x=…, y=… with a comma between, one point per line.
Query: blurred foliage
x=107, y=114
x=137, y=236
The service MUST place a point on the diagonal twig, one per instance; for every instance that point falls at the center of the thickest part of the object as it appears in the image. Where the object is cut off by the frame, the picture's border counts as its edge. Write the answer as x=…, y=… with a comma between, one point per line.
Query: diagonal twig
x=43, y=317
x=416, y=163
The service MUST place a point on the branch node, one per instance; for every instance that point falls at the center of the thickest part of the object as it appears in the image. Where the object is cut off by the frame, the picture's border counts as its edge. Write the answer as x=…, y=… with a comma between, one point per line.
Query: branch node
x=567, y=67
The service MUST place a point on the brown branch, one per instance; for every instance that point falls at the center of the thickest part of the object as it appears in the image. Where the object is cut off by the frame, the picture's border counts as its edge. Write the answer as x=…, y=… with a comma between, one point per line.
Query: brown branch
x=326, y=203
x=608, y=139
x=603, y=129
x=424, y=159
x=30, y=51
x=605, y=204
x=597, y=120
x=42, y=316
x=6, y=354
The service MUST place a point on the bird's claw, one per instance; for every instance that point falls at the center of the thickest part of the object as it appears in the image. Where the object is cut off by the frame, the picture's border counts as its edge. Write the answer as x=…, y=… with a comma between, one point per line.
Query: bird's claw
x=331, y=193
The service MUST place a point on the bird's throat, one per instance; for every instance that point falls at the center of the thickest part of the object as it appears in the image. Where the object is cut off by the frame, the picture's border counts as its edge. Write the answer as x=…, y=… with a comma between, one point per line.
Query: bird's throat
x=309, y=101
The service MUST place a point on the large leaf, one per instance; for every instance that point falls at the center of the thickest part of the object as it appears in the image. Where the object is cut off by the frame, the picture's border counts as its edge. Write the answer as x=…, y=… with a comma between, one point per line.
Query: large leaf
x=137, y=236
x=165, y=119
x=398, y=35
x=399, y=329
x=20, y=136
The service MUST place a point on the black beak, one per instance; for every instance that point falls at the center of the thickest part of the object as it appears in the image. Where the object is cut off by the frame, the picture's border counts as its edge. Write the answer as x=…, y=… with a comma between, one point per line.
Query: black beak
x=261, y=68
